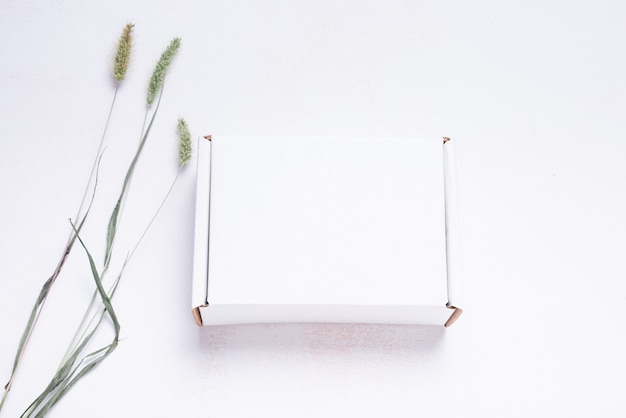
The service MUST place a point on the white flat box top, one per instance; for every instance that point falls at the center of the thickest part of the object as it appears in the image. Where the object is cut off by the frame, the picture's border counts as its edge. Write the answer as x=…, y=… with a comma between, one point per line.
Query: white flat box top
x=320, y=229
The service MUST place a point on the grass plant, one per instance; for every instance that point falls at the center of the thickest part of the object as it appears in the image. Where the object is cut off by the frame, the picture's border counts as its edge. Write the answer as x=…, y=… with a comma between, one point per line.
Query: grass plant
x=81, y=357
x=120, y=67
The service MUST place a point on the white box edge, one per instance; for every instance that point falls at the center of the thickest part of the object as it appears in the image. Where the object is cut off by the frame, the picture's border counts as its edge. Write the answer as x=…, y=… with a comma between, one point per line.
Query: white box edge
x=452, y=224
x=201, y=227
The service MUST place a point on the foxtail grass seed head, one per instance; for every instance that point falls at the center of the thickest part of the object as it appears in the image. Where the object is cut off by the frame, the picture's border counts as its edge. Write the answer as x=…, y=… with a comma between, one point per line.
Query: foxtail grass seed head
x=158, y=75
x=184, y=142
x=122, y=54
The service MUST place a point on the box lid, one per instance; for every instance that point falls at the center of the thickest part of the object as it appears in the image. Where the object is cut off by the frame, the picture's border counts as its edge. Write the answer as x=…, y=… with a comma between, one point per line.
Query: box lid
x=333, y=229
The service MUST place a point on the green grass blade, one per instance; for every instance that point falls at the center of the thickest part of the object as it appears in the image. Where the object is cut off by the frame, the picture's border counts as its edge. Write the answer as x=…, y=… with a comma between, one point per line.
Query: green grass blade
x=103, y=294
x=69, y=374
x=43, y=295
x=77, y=374
x=114, y=219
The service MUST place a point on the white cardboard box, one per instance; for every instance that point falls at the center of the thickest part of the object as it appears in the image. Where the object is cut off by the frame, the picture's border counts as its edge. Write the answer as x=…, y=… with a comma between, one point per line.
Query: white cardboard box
x=325, y=229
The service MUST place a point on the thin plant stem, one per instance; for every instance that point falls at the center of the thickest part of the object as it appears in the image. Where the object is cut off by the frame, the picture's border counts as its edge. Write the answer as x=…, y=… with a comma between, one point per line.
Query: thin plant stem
x=143, y=130
x=83, y=321
x=67, y=376
x=117, y=213
x=76, y=336
x=169, y=191
x=99, y=152
x=45, y=290
x=86, y=327
x=143, y=125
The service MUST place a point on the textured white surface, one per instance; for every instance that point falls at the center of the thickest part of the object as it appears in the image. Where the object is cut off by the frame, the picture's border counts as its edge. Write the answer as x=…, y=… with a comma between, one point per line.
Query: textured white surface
x=535, y=95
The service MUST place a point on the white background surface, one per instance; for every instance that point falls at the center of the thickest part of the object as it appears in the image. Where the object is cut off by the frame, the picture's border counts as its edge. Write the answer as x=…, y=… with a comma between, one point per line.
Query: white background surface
x=535, y=95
